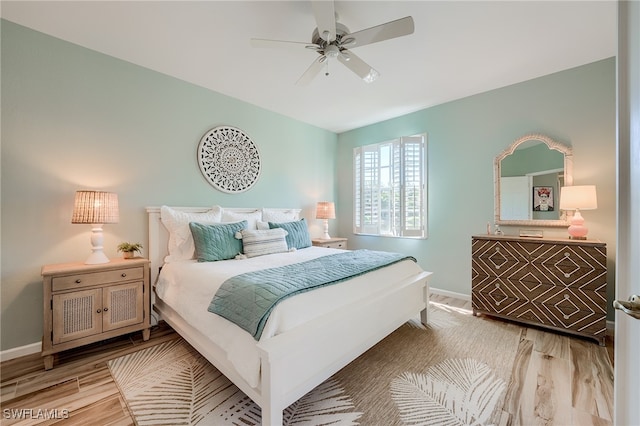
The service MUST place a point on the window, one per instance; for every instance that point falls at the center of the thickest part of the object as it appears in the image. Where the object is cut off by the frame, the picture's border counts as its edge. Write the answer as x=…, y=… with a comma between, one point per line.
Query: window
x=390, y=188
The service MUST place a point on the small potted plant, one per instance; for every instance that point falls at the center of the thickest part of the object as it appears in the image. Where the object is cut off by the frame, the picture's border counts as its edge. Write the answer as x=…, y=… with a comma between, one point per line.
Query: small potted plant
x=128, y=249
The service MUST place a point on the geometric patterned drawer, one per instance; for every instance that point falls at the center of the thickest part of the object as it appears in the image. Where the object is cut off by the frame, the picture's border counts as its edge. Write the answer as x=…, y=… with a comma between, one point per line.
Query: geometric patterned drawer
x=554, y=284
x=575, y=266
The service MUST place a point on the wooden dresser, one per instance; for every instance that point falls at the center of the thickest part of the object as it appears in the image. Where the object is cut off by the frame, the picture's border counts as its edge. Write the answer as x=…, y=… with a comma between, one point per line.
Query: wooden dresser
x=556, y=283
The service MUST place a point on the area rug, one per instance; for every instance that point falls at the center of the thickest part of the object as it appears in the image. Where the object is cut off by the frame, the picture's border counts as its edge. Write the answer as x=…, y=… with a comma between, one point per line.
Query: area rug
x=453, y=372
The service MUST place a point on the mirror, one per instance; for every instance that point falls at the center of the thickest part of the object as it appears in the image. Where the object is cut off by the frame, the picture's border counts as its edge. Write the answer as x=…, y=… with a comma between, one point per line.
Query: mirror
x=528, y=176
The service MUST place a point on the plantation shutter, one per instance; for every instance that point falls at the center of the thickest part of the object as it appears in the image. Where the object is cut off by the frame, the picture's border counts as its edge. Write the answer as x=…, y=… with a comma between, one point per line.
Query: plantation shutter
x=413, y=205
x=389, y=188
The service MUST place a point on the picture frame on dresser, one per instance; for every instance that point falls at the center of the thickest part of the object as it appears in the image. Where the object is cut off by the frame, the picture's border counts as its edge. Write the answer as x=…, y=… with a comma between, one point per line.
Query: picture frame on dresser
x=559, y=284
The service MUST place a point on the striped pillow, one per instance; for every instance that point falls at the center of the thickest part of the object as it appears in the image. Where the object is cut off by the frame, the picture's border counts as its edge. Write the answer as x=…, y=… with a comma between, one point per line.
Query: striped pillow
x=263, y=241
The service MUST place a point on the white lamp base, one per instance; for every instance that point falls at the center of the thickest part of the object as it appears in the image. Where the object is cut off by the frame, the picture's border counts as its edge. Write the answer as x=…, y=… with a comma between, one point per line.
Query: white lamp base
x=97, y=240
x=326, y=236
x=577, y=230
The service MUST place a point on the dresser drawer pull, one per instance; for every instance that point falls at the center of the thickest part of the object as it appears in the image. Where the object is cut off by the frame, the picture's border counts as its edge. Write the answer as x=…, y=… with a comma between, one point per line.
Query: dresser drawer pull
x=78, y=281
x=105, y=309
x=98, y=311
x=123, y=275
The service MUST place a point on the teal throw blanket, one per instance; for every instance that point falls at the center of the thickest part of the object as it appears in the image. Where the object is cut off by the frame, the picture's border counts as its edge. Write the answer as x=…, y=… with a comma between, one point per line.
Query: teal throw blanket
x=248, y=299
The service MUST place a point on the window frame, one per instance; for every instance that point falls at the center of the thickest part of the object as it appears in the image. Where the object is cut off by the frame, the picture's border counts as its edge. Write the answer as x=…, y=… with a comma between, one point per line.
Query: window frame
x=371, y=166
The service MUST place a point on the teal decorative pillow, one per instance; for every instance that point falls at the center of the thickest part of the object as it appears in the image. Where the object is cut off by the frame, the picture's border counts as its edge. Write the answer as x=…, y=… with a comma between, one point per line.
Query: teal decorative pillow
x=298, y=236
x=263, y=241
x=216, y=241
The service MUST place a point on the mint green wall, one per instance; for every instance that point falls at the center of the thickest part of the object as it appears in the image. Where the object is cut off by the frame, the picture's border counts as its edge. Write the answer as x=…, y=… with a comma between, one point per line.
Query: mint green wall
x=76, y=119
x=576, y=107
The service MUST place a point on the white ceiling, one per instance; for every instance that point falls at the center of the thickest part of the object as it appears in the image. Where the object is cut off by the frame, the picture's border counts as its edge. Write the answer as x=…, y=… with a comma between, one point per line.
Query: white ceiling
x=458, y=48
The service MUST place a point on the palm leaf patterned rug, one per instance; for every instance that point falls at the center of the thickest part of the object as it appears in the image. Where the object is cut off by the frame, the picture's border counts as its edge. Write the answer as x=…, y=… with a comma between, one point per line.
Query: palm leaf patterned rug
x=453, y=372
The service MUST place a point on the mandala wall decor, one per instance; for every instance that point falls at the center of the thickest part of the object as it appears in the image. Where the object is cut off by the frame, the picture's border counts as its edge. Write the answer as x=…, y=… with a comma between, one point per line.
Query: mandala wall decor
x=229, y=159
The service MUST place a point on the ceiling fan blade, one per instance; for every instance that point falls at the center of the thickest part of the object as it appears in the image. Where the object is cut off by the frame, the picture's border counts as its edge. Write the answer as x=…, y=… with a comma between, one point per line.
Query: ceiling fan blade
x=312, y=71
x=398, y=28
x=261, y=42
x=358, y=66
x=325, y=14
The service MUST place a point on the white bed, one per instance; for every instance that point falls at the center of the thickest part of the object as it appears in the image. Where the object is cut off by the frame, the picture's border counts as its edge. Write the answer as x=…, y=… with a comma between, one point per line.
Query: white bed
x=295, y=353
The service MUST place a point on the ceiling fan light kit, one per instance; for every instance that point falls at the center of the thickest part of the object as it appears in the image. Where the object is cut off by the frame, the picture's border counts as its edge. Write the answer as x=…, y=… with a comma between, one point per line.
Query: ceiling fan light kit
x=331, y=40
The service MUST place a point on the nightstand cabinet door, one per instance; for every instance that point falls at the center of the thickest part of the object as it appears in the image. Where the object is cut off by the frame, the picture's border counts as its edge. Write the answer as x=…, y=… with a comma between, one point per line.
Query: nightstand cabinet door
x=122, y=306
x=76, y=315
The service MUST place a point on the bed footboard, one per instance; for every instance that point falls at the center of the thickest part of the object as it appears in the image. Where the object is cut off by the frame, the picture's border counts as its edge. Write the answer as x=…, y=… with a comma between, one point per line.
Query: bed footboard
x=295, y=362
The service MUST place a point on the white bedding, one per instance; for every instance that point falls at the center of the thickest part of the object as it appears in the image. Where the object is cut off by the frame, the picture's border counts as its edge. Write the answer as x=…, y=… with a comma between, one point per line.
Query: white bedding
x=188, y=287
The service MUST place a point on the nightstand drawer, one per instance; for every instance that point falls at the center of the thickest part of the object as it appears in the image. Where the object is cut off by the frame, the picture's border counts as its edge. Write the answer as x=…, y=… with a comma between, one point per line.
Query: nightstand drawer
x=337, y=243
x=96, y=278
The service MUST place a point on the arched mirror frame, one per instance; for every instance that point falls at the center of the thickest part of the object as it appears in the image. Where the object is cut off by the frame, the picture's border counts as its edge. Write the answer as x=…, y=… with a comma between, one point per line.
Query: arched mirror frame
x=568, y=179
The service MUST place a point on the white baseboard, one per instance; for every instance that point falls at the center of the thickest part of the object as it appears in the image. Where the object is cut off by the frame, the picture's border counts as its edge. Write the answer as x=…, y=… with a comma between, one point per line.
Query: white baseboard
x=450, y=294
x=33, y=348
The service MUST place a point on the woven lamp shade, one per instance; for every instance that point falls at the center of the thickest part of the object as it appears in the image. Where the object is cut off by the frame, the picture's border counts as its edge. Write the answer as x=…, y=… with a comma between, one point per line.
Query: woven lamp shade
x=325, y=210
x=95, y=207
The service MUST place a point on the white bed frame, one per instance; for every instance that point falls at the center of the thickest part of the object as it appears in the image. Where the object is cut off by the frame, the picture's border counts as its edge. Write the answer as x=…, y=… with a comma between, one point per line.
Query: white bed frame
x=295, y=362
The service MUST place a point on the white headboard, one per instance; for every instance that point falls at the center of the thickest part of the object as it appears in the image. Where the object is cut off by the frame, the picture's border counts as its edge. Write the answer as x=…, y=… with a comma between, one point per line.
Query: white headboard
x=159, y=236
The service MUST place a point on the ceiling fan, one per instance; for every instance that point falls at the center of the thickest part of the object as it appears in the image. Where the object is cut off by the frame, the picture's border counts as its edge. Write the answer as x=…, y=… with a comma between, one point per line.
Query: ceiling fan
x=332, y=40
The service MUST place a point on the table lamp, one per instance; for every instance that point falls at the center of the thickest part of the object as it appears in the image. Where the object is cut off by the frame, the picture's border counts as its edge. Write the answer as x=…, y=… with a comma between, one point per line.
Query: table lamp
x=579, y=197
x=96, y=208
x=325, y=210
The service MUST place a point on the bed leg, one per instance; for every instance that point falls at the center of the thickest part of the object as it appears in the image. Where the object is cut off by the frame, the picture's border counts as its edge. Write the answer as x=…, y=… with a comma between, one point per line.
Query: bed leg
x=271, y=417
x=424, y=314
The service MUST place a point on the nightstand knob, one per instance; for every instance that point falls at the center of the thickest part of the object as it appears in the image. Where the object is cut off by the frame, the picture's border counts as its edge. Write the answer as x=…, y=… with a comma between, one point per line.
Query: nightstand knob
x=123, y=275
x=78, y=281
x=105, y=309
x=98, y=311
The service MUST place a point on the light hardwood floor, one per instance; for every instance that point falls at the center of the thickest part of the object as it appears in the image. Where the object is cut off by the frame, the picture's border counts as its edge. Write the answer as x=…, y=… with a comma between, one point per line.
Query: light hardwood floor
x=556, y=380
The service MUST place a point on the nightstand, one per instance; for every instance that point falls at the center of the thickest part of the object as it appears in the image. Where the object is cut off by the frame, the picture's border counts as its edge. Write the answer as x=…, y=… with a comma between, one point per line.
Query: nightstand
x=88, y=303
x=339, y=243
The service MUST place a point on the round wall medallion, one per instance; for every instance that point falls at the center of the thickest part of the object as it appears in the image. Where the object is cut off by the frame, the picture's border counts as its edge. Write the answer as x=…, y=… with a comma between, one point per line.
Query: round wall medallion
x=229, y=159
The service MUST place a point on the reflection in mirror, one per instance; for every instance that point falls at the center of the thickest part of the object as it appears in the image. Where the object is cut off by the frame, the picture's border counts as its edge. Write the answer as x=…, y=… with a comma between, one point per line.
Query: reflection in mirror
x=528, y=178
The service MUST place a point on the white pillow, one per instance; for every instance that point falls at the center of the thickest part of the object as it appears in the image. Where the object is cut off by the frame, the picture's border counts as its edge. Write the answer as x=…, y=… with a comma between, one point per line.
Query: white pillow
x=252, y=218
x=261, y=242
x=279, y=215
x=263, y=225
x=181, y=245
